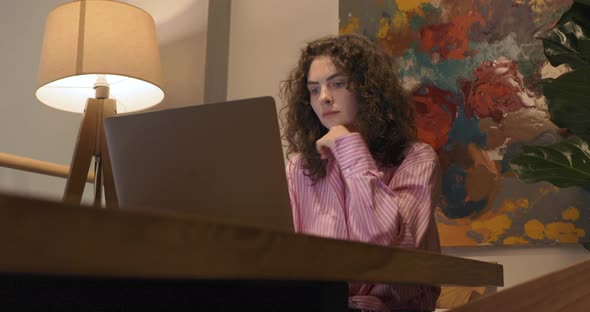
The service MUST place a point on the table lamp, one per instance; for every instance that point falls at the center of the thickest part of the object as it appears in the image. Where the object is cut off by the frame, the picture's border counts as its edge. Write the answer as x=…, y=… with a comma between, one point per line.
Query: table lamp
x=99, y=58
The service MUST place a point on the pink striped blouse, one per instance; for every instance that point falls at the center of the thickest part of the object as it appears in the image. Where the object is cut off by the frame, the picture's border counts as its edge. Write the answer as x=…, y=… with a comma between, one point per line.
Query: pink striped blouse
x=359, y=201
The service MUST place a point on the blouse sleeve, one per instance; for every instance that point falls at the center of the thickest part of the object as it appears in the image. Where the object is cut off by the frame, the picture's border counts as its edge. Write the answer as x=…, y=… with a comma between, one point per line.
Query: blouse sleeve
x=377, y=211
x=290, y=171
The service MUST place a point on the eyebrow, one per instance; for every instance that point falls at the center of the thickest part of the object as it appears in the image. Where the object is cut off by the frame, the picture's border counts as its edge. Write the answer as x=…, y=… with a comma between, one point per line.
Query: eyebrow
x=309, y=82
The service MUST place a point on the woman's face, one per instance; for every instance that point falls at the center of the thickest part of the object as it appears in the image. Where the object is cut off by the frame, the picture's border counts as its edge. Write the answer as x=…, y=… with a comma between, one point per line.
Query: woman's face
x=329, y=96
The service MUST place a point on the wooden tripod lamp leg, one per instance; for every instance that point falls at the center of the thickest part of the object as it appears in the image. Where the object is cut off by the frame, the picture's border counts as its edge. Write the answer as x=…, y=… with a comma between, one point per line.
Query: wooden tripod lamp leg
x=91, y=143
x=83, y=153
x=110, y=193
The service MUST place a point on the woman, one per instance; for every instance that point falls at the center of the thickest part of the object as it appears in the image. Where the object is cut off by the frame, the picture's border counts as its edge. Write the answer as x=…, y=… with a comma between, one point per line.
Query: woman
x=358, y=172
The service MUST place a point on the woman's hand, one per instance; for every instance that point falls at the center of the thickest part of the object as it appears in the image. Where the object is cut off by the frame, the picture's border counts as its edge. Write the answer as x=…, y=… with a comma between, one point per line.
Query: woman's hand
x=326, y=143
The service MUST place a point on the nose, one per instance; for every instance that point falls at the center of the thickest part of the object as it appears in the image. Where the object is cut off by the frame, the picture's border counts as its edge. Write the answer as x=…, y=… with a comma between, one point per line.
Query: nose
x=326, y=96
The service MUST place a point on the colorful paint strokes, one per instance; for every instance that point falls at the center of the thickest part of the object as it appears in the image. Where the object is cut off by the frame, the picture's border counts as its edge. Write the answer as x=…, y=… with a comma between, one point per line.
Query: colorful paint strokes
x=473, y=69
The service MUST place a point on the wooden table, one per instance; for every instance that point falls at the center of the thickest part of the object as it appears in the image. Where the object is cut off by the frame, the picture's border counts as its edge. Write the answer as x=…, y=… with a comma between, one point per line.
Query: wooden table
x=60, y=255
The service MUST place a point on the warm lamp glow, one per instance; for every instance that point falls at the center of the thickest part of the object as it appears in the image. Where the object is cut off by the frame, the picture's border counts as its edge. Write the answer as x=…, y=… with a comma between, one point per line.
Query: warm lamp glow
x=84, y=39
x=70, y=93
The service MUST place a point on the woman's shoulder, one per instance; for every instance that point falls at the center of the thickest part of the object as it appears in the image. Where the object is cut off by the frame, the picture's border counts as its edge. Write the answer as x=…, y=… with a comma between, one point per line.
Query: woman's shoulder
x=417, y=151
x=295, y=159
x=294, y=164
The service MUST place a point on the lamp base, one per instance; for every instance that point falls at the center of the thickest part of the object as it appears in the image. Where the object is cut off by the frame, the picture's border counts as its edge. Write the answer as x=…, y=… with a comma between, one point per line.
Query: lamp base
x=91, y=142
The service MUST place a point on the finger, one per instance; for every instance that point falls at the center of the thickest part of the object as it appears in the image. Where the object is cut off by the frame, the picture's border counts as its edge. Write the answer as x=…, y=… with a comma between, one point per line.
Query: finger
x=325, y=152
x=318, y=146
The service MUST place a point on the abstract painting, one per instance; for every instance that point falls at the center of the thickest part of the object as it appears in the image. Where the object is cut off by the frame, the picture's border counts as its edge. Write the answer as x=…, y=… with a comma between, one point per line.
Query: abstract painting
x=473, y=69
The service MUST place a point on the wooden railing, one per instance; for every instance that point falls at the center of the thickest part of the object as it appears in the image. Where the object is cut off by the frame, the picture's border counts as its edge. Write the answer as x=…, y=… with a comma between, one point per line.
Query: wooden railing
x=38, y=166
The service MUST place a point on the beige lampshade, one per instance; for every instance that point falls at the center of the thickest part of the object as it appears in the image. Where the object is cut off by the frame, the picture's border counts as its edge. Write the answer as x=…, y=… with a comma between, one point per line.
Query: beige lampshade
x=84, y=39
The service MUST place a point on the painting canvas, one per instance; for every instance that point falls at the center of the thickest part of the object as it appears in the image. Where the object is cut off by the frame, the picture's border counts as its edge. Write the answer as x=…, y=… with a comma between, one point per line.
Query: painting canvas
x=473, y=69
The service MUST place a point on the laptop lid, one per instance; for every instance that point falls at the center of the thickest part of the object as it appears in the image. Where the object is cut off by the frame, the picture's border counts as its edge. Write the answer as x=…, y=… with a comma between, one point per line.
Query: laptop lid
x=222, y=161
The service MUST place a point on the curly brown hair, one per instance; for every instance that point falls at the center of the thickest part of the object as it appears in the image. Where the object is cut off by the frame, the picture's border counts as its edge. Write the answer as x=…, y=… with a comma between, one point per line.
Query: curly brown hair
x=385, y=118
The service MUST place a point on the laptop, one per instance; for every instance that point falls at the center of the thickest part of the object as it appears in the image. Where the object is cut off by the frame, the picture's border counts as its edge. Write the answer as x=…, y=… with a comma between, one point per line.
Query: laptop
x=219, y=161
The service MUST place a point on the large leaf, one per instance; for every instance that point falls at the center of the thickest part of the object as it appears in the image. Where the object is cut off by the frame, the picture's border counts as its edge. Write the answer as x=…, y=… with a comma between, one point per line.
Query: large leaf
x=566, y=163
x=563, y=164
x=568, y=42
x=569, y=101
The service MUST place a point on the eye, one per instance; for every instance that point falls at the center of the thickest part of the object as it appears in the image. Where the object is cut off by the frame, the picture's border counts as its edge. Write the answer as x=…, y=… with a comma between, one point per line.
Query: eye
x=314, y=91
x=339, y=84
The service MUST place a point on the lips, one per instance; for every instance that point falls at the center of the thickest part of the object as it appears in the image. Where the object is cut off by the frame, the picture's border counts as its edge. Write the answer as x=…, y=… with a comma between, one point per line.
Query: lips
x=329, y=113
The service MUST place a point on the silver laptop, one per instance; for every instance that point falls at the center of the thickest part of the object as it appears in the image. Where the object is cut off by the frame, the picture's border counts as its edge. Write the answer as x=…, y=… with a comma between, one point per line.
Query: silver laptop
x=220, y=161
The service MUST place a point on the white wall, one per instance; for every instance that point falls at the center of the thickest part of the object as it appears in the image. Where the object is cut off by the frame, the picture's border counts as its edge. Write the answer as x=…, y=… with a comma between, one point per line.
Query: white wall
x=27, y=127
x=265, y=38
x=264, y=41
x=31, y=129
x=183, y=70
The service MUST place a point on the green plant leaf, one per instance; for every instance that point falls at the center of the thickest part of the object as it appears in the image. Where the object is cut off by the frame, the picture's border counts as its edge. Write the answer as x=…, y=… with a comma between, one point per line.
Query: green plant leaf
x=568, y=42
x=563, y=164
x=569, y=101
x=584, y=2
x=577, y=13
x=566, y=163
